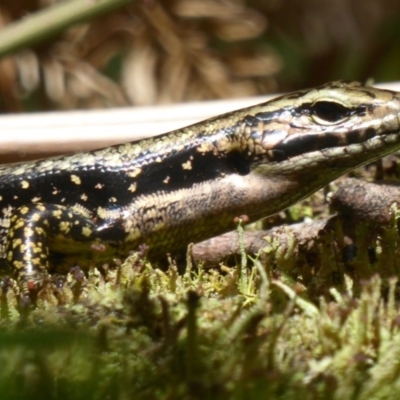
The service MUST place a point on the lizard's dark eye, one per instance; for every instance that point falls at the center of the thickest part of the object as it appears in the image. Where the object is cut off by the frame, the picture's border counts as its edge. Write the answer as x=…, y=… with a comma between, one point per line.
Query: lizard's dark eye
x=329, y=112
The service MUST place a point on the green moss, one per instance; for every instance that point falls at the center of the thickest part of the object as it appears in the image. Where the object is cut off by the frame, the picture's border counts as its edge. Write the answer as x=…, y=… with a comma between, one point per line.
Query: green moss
x=139, y=332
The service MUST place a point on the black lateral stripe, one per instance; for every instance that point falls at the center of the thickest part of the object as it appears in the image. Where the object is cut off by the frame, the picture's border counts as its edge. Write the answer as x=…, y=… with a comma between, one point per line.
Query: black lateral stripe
x=307, y=143
x=170, y=175
x=101, y=182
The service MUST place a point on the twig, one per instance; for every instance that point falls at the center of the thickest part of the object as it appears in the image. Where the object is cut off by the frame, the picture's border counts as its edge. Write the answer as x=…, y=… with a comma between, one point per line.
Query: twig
x=51, y=20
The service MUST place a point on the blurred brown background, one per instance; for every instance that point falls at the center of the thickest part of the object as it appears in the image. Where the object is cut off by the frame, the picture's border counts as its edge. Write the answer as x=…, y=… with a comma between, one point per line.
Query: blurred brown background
x=166, y=51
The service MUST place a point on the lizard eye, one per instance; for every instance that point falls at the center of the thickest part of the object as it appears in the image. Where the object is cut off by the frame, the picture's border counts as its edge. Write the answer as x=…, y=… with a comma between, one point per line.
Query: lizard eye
x=328, y=112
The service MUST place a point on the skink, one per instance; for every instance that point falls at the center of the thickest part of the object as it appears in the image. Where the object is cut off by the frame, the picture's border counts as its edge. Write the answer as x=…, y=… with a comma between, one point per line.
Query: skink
x=190, y=184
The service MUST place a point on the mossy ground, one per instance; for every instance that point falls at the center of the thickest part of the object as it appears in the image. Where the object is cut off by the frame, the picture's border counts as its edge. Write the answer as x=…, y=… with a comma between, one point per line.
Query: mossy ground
x=241, y=333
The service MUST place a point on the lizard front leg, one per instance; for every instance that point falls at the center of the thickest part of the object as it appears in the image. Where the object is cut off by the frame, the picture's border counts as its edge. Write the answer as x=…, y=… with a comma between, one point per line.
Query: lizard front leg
x=33, y=228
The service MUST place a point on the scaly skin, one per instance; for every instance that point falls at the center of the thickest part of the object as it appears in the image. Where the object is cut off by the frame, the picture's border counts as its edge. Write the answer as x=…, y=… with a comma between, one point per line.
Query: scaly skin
x=190, y=184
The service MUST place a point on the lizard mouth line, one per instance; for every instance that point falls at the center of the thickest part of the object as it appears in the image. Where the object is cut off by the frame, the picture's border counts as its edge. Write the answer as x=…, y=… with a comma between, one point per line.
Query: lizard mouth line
x=336, y=157
x=302, y=145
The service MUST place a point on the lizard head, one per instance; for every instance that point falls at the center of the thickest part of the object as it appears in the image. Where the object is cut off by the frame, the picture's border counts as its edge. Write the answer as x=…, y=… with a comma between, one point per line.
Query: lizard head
x=340, y=125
